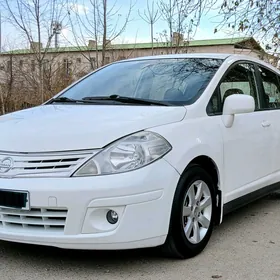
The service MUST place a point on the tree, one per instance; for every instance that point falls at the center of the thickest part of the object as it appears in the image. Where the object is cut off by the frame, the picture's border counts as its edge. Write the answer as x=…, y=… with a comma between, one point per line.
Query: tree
x=19, y=77
x=151, y=16
x=182, y=17
x=85, y=26
x=35, y=19
x=7, y=82
x=100, y=22
x=260, y=18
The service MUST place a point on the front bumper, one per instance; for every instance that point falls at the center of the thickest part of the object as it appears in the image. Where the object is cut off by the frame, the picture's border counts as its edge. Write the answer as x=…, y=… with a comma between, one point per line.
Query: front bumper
x=142, y=199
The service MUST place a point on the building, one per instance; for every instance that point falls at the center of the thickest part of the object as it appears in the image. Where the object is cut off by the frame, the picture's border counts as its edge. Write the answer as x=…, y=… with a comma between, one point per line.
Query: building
x=82, y=59
x=61, y=66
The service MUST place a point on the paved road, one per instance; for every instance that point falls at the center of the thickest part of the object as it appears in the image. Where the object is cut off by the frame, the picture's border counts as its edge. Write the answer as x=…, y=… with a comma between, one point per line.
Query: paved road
x=245, y=246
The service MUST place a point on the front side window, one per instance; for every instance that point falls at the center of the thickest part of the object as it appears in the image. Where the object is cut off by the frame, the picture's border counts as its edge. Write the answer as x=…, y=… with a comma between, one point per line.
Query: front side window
x=176, y=81
x=241, y=79
x=271, y=88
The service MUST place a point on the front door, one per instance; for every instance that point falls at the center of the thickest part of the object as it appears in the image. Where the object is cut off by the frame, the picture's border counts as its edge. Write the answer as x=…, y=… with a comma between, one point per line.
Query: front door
x=247, y=153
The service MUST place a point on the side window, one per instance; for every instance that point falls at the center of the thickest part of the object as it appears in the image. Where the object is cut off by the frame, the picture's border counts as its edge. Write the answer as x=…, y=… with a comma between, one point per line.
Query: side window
x=214, y=106
x=241, y=79
x=271, y=88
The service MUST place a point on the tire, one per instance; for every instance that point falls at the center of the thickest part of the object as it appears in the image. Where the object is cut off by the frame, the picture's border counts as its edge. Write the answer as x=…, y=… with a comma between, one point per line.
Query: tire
x=192, y=220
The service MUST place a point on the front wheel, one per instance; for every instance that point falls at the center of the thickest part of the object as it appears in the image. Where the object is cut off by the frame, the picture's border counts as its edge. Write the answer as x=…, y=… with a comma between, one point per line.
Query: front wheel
x=192, y=214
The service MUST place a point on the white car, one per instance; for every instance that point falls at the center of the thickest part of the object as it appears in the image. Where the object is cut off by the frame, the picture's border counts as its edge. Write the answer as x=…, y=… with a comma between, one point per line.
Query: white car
x=141, y=153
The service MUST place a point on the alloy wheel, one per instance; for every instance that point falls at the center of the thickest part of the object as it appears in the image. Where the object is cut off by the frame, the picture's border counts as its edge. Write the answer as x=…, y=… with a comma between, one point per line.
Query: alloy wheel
x=197, y=211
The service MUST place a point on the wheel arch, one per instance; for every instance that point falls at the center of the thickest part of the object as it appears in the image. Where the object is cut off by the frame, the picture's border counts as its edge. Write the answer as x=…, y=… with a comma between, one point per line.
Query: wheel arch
x=210, y=166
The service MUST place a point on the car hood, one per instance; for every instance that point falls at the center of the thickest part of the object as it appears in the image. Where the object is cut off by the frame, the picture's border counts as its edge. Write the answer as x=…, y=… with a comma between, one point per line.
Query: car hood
x=75, y=127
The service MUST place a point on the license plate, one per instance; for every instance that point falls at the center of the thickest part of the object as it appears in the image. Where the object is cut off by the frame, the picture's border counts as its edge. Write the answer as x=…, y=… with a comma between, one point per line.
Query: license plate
x=14, y=199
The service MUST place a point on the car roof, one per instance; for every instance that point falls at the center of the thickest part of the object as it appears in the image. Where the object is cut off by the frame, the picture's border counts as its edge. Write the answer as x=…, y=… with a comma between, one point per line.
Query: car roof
x=184, y=55
x=224, y=56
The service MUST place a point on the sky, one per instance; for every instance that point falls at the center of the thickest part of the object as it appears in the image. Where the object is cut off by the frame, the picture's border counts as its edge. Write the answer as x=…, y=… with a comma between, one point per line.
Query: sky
x=137, y=30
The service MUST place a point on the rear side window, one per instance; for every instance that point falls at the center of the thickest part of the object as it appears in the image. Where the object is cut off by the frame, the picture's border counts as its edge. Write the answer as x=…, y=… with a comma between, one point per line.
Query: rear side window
x=271, y=88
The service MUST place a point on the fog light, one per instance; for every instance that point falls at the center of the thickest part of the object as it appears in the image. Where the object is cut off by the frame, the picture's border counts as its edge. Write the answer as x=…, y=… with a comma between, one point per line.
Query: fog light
x=112, y=217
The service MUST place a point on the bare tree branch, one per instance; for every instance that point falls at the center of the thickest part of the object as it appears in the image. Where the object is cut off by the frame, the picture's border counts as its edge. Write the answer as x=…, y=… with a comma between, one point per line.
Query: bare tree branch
x=183, y=18
x=151, y=16
x=34, y=19
x=102, y=23
x=260, y=18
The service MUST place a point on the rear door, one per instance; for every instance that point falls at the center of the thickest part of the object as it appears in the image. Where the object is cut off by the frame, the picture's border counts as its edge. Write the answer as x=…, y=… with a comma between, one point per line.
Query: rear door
x=270, y=88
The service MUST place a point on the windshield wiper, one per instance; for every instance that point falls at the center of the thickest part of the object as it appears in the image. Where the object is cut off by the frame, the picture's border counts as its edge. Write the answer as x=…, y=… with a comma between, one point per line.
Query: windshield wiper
x=64, y=99
x=124, y=99
x=112, y=98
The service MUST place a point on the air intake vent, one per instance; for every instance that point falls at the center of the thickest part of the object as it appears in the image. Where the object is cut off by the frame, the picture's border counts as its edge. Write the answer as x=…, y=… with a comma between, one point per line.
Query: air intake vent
x=38, y=219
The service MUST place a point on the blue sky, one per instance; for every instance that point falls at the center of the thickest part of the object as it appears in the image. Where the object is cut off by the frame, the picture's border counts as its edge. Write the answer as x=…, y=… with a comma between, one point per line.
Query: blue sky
x=205, y=31
x=137, y=30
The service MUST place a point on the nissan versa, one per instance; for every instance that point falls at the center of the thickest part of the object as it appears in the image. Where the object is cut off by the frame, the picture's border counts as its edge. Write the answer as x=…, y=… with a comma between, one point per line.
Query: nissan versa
x=146, y=152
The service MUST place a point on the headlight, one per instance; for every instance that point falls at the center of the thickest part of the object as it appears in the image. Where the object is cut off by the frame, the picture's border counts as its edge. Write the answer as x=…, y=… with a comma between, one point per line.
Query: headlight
x=129, y=153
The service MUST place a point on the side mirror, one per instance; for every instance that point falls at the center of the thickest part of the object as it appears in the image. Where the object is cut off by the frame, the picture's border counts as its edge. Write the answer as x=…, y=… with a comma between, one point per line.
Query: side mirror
x=237, y=104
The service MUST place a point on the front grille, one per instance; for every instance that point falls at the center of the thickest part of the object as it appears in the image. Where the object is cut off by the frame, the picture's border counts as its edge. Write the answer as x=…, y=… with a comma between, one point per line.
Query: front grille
x=59, y=164
x=37, y=219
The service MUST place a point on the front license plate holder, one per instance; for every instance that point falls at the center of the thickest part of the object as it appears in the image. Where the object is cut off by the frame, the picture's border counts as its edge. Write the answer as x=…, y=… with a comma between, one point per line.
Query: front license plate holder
x=12, y=199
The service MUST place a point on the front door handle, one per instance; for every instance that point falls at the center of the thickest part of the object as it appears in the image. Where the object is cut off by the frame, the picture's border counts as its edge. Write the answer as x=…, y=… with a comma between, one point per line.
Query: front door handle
x=266, y=124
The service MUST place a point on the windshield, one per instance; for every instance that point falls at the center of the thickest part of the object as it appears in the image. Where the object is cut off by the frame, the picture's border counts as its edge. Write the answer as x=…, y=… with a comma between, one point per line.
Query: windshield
x=176, y=81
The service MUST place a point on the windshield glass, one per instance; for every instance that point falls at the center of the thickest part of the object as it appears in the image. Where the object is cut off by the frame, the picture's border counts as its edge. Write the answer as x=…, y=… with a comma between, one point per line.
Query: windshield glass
x=176, y=81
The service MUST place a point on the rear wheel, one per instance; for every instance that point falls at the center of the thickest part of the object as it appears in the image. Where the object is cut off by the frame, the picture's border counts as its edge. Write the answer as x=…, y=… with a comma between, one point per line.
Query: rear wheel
x=192, y=214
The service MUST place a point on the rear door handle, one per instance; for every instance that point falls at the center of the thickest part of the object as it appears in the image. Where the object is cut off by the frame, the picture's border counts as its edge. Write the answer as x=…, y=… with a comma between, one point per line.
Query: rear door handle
x=266, y=124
